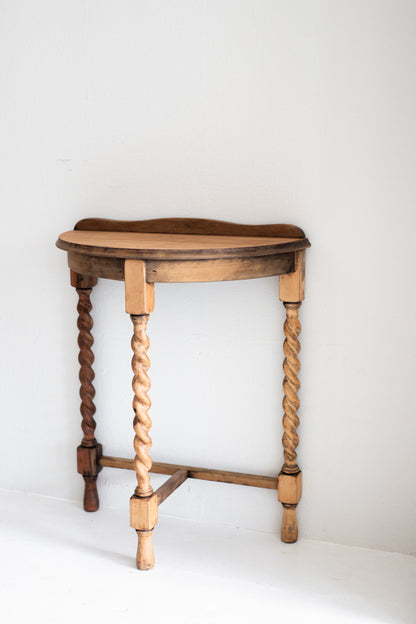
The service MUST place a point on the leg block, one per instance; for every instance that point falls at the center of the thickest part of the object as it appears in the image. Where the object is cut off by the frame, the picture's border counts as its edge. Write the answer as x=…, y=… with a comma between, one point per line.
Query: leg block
x=143, y=518
x=289, y=491
x=87, y=463
x=87, y=460
x=292, y=285
x=289, y=488
x=82, y=281
x=140, y=295
x=143, y=512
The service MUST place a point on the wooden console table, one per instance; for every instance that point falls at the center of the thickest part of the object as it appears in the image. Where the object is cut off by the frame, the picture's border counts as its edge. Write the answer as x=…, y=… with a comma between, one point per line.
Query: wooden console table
x=180, y=250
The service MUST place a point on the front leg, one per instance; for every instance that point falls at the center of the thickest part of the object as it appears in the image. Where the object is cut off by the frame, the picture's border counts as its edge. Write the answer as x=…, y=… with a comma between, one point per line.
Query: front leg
x=143, y=503
x=141, y=519
x=292, y=289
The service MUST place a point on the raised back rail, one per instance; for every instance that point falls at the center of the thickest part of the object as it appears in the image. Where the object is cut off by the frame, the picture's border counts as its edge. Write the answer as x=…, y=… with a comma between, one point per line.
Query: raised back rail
x=190, y=226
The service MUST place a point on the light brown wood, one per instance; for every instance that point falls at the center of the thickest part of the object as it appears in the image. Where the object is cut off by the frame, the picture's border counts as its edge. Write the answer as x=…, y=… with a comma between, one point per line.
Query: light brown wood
x=142, y=515
x=143, y=512
x=290, y=478
x=292, y=285
x=289, y=532
x=143, y=246
x=145, y=558
x=217, y=270
x=291, y=385
x=182, y=250
x=169, y=242
x=180, y=225
x=140, y=296
x=206, y=474
x=141, y=405
x=289, y=488
x=171, y=485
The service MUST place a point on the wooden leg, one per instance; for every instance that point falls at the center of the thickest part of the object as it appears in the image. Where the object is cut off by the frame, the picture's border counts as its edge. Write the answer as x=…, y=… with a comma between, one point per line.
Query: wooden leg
x=290, y=478
x=91, y=502
x=289, y=484
x=143, y=504
x=89, y=451
x=145, y=557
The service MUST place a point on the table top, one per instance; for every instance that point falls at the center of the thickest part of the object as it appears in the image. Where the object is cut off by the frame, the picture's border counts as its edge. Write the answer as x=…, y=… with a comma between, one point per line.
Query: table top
x=172, y=246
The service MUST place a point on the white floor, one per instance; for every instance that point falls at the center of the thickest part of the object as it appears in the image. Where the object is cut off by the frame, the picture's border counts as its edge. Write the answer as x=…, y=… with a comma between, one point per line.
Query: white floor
x=60, y=564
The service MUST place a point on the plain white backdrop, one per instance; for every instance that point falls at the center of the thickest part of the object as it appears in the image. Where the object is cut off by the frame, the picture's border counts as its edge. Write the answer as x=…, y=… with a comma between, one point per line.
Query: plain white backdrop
x=256, y=112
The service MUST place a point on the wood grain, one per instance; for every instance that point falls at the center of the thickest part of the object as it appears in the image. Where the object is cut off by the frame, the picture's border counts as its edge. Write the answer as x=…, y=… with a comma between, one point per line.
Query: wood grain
x=89, y=450
x=145, y=557
x=97, y=266
x=289, y=532
x=292, y=285
x=87, y=460
x=143, y=512
x=206, y=474
x=171, y=485
x=140, y=296
x=289, y=487
x=142, y=246
x=290, y=477
x=182, y=250
x=180, y=225
x=167, y=271
x=91, y=501
x=219, y=270
x=82, y=280
x=141, y=404
x=86, y=360
x=291, y=385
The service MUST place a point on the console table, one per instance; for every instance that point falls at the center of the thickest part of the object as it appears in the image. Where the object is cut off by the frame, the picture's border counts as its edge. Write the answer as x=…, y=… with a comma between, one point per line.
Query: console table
x=142, y=253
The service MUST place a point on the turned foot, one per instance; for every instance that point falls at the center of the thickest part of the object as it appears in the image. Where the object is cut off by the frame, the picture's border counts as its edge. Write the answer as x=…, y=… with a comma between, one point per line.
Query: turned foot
x=145, y=558
x=90, y=494
x=289, y=533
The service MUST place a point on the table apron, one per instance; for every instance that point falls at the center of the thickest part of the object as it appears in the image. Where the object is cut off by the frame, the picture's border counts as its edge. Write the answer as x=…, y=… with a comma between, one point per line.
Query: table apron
x=212, y=270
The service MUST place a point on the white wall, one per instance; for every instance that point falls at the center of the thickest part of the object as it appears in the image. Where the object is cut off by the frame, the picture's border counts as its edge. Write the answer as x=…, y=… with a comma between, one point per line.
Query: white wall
x=252, y=111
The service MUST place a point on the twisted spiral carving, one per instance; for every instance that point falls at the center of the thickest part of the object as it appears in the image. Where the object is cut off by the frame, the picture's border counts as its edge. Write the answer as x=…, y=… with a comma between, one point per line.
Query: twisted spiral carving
x=291, y=385
x=86, y=373
x=141, y=404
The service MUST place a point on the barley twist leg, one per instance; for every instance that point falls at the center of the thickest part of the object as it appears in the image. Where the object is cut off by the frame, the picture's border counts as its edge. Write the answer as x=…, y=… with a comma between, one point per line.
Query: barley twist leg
x=86, y=360
x=89, y=450
x=290, y=476
x=142, y=425
x=291, y=385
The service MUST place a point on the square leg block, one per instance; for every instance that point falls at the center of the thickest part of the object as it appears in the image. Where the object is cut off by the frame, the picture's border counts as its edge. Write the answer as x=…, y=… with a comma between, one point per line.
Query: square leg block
x=289, y=488
x=87, y=460
x=143, y=512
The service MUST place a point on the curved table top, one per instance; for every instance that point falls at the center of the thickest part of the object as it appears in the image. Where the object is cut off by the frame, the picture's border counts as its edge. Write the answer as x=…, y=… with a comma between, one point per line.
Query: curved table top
x=169, y=246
